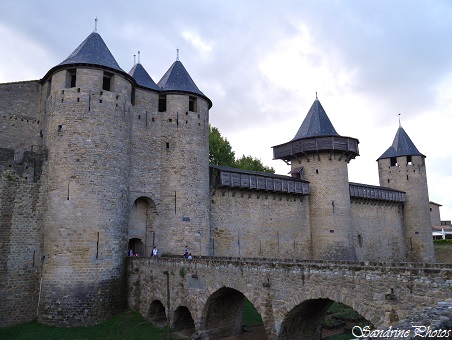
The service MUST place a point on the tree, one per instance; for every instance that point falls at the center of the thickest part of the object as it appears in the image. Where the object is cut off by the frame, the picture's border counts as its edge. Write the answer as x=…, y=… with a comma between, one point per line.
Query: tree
x=254, y=164
x=220, y=153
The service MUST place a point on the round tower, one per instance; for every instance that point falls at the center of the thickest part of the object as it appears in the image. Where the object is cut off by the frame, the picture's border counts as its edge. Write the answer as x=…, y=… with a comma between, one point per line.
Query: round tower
x=402, y=167
x=320, y=155
x=184, y=172
x=87, y=134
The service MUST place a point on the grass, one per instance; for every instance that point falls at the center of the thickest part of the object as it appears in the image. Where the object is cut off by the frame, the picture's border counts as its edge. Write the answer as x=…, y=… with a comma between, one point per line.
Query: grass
x=250, y=316
x=443, y=251
x=126, y=325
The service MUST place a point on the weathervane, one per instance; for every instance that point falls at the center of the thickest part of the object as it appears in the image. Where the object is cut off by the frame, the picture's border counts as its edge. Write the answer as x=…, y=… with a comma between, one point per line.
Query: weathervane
x=95, y=25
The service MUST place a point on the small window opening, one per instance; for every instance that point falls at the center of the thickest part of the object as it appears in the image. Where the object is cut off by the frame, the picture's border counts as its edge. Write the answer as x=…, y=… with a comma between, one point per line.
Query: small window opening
x=316, y=171
x=192, y=104
x=106, y=84
x=60, y=128
x=388, y=180
x=360, y=241
x=49, y=87
x=393, y=161
x=153, y=119
x=71, y=78
x=139, y=116
x=167, y=145
x=409, y=160
x=331, y=231
x=170, y=120
x=132, y=97
x=407, y=177
x=162, y=103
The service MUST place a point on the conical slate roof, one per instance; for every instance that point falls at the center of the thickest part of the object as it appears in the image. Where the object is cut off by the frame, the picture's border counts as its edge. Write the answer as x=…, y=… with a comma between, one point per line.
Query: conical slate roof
x=401, y=146
x=178, y=79
x=94, y=51
x=142, y=78
x=316, y=123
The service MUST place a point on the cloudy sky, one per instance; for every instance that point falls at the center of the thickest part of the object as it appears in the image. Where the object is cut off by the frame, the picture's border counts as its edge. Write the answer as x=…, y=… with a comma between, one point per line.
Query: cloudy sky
x=261, y=63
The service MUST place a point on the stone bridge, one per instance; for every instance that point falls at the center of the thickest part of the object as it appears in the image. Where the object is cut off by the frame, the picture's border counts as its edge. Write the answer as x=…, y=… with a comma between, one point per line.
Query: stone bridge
x=206, y=295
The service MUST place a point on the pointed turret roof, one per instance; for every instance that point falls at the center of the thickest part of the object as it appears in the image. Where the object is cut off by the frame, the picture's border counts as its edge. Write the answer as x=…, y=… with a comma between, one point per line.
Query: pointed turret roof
x=401, y=146
x=94, y=51
x=316, y=134
x=142, y=78
x=178, y=79
x=316, y=123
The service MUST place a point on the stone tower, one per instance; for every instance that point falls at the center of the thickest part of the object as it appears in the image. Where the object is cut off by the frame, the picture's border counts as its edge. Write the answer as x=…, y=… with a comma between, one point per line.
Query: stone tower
x=320, y=155
x=402, y=167
x=87, y=135
x=185, y=196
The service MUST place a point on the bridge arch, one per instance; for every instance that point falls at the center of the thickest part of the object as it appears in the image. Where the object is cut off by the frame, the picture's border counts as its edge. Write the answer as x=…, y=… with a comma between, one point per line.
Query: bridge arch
x=157, y=313
x=183, y=321
x=305, y=317
x=222, y=313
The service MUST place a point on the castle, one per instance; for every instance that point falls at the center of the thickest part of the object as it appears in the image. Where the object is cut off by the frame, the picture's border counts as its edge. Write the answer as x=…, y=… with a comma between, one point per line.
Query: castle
x=96, y=161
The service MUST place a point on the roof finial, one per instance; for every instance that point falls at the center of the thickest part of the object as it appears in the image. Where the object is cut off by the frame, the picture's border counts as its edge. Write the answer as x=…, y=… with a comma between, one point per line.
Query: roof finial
x=95, y=25
x=138, y=57
x=400, y=124
x=134, y=59
x=177, y=54
x=316, y=98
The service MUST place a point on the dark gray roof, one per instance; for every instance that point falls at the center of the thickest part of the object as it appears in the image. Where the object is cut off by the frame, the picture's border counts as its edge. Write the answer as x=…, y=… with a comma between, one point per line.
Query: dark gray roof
x=178, y=79
x=401, y=146
x=142, y=78
x=316, y=123
x=93, y=51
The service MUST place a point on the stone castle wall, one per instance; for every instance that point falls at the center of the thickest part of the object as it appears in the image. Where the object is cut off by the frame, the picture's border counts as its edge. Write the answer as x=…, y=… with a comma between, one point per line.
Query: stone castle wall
x=19, y=117
x=260, y=224
x=21, y=241
x=378, y=233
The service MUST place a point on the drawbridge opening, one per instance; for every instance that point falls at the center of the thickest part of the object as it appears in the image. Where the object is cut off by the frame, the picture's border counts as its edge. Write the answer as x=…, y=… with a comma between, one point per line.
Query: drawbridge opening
x=320, y=319
x=227, y=313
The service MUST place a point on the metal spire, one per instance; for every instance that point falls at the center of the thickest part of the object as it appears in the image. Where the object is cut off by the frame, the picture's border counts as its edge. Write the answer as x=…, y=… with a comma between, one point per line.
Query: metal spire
x=400, y=124
x=134, y=59
x=138, y=57
x=95, y=25
x=177, y=54
x=316, y=98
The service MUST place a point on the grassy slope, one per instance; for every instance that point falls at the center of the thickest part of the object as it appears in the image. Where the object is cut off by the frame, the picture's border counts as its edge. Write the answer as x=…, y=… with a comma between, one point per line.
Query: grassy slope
x=127, y=325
